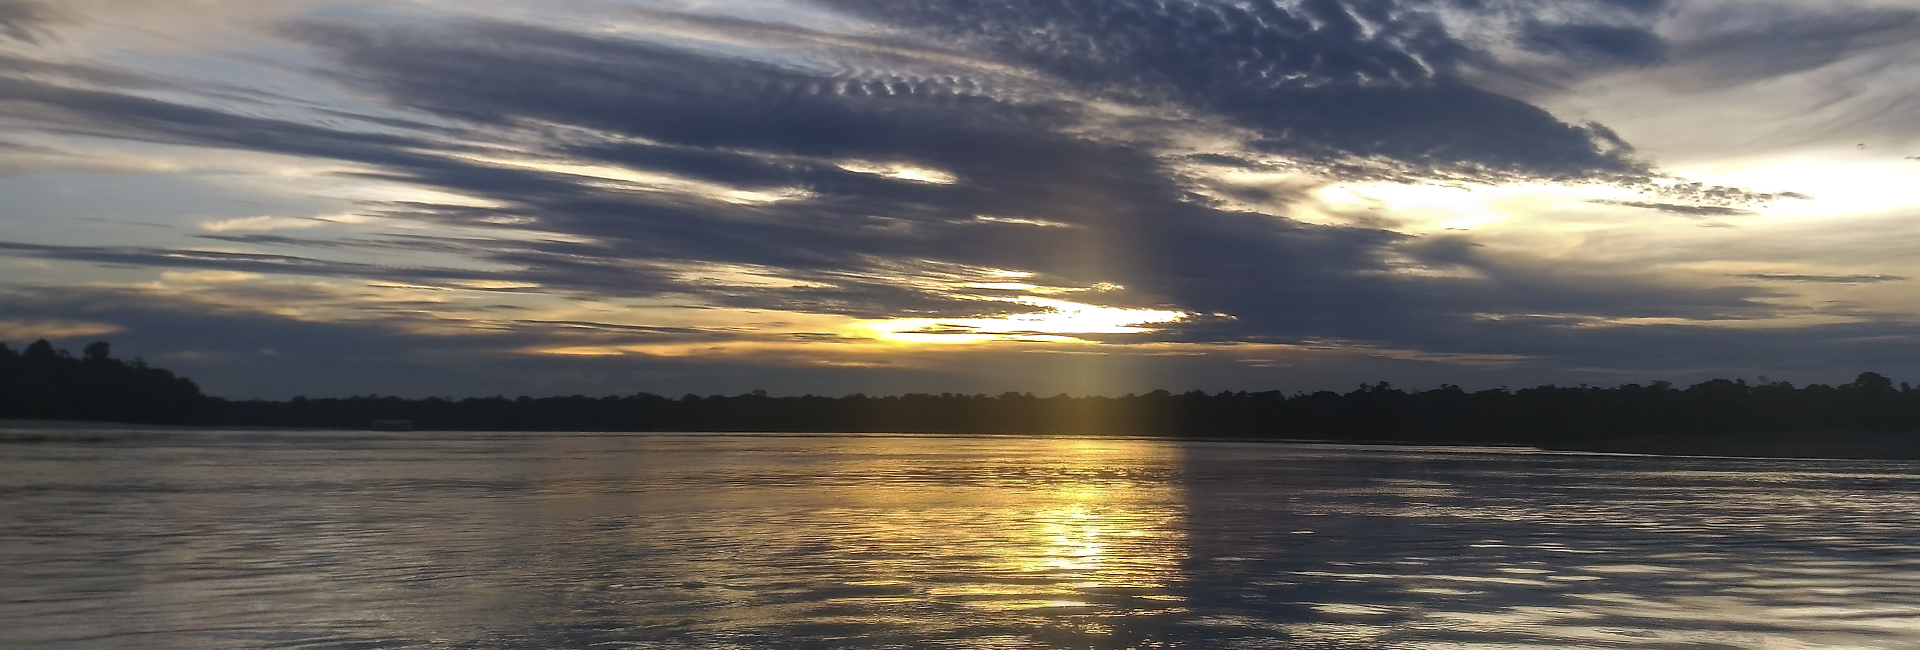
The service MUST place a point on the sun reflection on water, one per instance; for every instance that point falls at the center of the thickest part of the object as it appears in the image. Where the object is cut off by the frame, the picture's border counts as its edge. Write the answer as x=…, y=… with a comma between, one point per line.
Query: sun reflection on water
x=1061, y=531
x=556, y=540
x=961, y=540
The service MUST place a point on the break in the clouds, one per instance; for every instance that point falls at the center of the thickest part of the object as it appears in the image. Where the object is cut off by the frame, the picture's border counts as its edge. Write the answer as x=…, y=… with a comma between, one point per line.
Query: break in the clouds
x=332, y=196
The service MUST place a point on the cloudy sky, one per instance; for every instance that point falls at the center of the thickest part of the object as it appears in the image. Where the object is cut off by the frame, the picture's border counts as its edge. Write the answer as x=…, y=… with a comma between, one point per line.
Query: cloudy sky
x=462, y=197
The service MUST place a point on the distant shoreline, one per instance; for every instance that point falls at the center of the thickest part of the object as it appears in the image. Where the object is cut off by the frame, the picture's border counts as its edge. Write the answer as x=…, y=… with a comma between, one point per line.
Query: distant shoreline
x=47, y=390
x=86, y=425
x=1847, y=445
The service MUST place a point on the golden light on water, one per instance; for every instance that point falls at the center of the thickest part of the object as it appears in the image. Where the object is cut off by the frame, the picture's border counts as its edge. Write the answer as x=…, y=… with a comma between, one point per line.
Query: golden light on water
x=1073, y=530
x=1083, y=538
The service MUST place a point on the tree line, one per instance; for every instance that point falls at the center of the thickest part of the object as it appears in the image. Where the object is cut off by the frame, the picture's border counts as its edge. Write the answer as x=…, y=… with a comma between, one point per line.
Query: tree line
x=43, y=383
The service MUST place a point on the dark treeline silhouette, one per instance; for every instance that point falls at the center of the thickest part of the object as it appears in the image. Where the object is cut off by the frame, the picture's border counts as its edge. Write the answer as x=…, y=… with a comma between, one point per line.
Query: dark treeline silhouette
x=46, y=384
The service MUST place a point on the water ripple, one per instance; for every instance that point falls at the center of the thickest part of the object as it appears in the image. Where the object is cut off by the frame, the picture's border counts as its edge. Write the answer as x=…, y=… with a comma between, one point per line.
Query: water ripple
x=354, y=540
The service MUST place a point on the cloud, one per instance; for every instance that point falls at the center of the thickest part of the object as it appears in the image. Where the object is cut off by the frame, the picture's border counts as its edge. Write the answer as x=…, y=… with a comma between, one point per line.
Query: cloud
x=751, y=123
x=928, y=164
x=1760, y=78
x=195, y=259
x=1824, y=279
x=261, y=223
x=117, y=114
x=741, y=120
x=223, y=349
x=19, y=331
x=1603, y=45
x=1316, y=78
x=24, y=20
x=1681, y=209
x=1741, y=42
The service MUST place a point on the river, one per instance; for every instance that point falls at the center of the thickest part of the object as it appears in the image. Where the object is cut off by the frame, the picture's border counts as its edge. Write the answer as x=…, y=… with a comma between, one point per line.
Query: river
x=224, y=539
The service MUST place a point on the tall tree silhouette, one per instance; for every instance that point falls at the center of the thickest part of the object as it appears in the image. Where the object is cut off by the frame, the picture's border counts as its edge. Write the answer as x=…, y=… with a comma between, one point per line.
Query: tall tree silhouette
x=44, y=383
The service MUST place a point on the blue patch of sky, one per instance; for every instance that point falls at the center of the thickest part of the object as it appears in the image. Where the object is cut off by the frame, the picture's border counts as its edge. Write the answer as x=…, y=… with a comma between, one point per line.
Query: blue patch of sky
x=92, y=209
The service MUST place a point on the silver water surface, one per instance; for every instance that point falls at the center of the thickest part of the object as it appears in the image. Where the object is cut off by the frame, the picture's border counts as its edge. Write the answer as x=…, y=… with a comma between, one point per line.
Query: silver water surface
x=419, y=540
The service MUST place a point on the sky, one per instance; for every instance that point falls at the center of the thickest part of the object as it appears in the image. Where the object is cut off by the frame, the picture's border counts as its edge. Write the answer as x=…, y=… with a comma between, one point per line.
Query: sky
x=479, y=197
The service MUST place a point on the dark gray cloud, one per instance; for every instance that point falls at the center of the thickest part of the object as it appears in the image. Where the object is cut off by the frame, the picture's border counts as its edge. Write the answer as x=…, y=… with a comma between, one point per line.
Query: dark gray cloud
x=1373, y=77
x=1682, y=209
x=174, y=258
x=24, y=20
x=1758, y=41
x=1718, y=195
x=1824, y=279
x=1601, y=45
x=124, y=115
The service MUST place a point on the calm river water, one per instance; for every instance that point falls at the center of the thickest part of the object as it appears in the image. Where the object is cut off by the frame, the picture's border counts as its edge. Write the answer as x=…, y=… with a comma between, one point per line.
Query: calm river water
x=429, y=540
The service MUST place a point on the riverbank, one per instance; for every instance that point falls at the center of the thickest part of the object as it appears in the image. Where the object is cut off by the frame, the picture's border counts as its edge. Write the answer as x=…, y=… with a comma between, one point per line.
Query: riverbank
x=1863, y=445
x=43, y=431
x=75, y=425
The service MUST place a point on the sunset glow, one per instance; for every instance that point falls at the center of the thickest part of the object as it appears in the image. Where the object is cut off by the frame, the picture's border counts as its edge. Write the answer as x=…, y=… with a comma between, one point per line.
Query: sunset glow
x=1057, y=320
x=427, y=197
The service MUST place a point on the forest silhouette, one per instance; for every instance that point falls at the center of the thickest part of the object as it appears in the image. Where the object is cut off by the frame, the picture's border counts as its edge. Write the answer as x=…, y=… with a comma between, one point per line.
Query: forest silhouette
x=47, y=384
x=43, y=383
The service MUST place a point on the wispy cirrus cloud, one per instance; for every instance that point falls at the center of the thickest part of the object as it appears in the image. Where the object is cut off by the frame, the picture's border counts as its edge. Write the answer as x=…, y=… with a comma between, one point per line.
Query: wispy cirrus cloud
x=25, y=20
